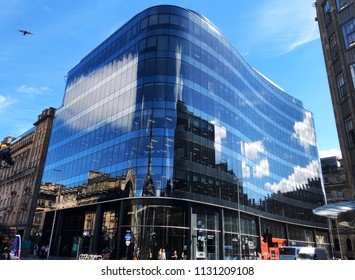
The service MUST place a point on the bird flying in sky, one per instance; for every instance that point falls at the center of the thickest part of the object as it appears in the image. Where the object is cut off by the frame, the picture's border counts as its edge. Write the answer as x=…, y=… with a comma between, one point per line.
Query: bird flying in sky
x=25, y=32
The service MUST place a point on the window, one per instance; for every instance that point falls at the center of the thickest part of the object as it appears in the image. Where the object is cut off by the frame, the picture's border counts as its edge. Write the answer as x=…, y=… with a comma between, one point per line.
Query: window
x=327, y=15
x=352, y=71
x=341, y=87
x=334, y=47
x=340, y=194
x=349, y=33
x=349, y=245
x=341, y=4
x=328, y=195
x=349, y=128
x=336, y=244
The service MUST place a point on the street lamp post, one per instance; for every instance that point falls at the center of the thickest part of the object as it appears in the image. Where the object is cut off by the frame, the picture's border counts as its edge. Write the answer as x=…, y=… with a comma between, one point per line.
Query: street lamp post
x=337, y=228
x=239, y=220
x=54, y=218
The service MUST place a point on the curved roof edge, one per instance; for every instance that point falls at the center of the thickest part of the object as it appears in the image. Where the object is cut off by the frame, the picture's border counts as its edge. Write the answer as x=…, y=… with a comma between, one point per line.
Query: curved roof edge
x=281, y=91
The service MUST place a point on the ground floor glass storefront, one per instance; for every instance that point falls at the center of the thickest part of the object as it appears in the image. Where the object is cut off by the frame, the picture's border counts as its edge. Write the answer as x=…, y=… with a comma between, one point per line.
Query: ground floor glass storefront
x=141, y=228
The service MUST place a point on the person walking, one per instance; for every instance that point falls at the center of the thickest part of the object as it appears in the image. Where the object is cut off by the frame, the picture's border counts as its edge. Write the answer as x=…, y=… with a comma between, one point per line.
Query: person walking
x=46, y=251
x=35, y=249
x=174, y=255
x=106, y=253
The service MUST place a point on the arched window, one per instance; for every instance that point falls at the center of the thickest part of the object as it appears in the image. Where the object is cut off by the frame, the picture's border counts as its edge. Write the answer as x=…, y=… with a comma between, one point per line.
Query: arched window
x=336, y=244
x=349, y=245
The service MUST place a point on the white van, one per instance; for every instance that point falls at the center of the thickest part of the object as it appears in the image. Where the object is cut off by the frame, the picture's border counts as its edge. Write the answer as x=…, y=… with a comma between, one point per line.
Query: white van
x=312, y=253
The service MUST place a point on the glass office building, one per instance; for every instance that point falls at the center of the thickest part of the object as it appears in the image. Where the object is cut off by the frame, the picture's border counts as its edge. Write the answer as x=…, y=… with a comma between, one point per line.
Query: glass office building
x=169, y=139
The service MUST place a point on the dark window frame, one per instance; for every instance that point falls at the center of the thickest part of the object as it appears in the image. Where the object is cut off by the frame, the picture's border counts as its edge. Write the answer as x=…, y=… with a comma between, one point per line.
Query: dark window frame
x=341, y=87
x=334, y=47
x=349, y=33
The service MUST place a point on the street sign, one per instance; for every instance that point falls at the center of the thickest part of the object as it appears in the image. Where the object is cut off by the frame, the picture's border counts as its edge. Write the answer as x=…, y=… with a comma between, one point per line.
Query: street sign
x=201, y=255
x=128, y=236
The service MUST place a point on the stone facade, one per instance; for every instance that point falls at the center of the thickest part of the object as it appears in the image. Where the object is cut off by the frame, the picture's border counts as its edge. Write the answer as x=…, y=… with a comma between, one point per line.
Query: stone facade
x=337, y=191
x=336, y=20
x=20, y=184
x=339, y=55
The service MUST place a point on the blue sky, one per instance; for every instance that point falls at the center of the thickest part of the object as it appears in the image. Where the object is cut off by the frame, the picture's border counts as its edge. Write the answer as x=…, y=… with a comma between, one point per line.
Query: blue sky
x=277, y=37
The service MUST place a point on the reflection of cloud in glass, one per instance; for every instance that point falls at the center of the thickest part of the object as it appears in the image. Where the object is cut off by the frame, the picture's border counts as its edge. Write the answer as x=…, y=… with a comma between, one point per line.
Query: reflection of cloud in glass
x=254, y=152
x=178, y=81
x=220, y=133
x=111, y=72
x=304, y=132
x=300, y=176
x=262, y=169
x=245, y=170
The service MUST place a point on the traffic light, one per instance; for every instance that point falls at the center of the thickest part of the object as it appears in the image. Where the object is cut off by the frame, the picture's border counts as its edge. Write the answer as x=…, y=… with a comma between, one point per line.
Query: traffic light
x=5, y=155
x=269, y=241
x=265, y=238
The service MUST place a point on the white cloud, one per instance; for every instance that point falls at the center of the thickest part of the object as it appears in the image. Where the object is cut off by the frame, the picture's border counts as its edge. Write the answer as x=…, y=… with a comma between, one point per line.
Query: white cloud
x=285, y=25
x=47, y=8
x=298, y=178
x=5, y=102
x=33, y=90
x=330, y=153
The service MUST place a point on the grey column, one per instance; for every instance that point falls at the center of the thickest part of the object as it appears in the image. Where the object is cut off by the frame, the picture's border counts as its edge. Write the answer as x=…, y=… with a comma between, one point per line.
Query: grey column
x=221, y=237
x=94, y=246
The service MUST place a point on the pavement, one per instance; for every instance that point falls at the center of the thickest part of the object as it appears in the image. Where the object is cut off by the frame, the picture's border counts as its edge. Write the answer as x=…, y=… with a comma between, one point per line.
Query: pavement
x=31, y=257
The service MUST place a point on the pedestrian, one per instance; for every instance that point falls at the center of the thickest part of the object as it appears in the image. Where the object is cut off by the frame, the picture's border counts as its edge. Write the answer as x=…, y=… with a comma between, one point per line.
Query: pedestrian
x=35, y=249
x=46, y=251
x=136, y=254
x=174, y=255
x=65, y=251
x=42, y=252
x=106, y=253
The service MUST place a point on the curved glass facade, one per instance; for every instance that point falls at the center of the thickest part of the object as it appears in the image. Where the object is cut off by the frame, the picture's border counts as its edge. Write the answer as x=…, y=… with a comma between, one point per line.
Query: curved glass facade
x=167, y=134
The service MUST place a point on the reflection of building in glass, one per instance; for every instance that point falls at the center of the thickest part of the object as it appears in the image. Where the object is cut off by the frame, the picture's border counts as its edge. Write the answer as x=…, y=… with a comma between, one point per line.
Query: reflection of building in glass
x=194, y=150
